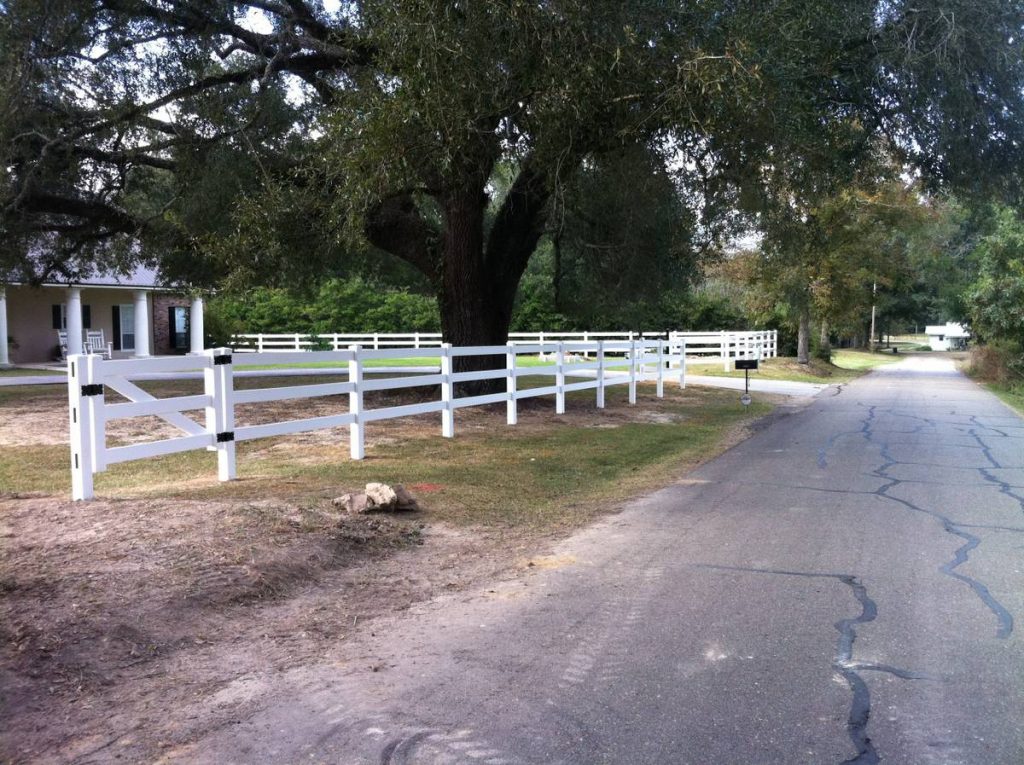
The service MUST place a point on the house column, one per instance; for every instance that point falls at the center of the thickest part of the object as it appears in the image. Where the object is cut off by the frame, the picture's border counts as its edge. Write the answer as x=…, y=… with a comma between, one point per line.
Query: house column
x=141, y=323
x=195, y=325
x=5, y=360
x=74, y=317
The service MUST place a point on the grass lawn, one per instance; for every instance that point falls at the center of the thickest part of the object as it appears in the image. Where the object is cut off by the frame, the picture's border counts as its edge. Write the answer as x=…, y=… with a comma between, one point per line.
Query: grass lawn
x=846, y=365
x=23, y=372
x=547, y=472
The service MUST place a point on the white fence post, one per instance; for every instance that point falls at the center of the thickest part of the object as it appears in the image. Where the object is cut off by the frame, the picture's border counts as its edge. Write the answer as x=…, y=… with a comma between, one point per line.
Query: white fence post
x=632, y=371
x=96, y=411
x=356, y=431
x=447, y=392
x=80, y=415
x=560, y=379
x=219, y=385
x=682, y=363
x=600, y=374
x=259, y=343
x=725, y=352
x=416, y=340
x=661, y=368
x=511, y=408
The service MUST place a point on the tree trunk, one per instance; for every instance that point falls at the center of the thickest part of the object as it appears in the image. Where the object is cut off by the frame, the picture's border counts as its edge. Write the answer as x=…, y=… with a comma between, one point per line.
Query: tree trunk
x=556, y=243
x=475, y=280
x=803, y=342
x=825, y=342
x=475, y=303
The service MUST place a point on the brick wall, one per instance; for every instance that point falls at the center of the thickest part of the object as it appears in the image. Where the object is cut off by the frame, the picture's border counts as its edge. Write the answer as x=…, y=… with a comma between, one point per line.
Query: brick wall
x=161, y=325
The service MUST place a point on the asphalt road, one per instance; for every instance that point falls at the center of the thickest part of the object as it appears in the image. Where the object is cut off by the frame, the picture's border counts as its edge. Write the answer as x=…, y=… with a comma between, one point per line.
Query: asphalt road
x=845, y=586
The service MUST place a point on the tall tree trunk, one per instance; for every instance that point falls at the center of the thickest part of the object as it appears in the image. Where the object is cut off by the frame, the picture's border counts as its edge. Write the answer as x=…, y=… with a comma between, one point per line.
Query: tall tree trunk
x=556, y=244
x=475, y=277
x=473, y=309
x=803, y=341
x=825, y=342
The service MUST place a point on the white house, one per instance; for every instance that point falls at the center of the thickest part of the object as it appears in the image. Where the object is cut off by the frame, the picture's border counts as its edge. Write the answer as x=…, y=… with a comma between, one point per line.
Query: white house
x=947, y=337
x=137, y=314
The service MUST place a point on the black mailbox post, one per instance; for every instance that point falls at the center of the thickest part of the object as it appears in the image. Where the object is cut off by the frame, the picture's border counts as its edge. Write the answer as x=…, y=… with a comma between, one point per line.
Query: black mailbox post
x=746, y=365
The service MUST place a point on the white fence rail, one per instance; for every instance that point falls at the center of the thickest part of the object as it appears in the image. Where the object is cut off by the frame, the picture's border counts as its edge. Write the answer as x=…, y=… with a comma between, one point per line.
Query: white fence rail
x=594, y=365
x=706, y=346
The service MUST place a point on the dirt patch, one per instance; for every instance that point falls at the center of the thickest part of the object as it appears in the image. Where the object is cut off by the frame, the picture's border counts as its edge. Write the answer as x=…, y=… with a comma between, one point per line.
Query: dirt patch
x=122, y=620
x=130, y=627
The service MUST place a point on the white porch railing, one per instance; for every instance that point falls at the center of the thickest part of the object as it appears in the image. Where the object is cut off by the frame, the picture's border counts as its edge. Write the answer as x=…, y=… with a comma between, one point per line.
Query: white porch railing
x=703, y=346
x=607, y=362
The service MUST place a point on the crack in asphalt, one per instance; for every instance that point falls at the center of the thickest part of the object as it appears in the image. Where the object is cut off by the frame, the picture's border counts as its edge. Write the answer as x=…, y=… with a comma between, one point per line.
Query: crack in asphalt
x=874, y=493
x=960, y=556
x=903, y=674
x=1004, y=486
x=974, y=421
x=950, y=526
x=843, y=663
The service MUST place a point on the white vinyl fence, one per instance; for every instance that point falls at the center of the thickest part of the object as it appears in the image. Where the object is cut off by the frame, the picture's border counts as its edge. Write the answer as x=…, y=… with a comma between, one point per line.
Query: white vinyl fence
x=89, y=376
x=702, y=346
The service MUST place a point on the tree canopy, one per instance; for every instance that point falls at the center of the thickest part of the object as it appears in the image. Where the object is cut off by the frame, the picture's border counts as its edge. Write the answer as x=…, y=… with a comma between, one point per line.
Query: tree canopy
x=277, y=136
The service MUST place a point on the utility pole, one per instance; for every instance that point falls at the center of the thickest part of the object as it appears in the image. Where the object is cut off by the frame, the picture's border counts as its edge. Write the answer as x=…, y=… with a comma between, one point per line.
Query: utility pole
x=871, y=337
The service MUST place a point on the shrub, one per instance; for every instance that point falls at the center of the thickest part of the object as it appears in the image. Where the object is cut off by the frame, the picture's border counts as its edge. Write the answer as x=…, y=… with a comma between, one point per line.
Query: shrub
x=999, y=362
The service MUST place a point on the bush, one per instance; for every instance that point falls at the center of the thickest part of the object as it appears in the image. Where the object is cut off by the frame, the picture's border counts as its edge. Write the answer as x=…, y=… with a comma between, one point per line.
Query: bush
x=338, y=305
x=998, y=362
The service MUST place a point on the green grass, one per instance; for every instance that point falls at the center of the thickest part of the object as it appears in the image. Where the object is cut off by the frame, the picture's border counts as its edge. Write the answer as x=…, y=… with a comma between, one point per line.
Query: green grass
x=23, y=372
x=544, y=473
x=863, y=360
x=1010, y=393
x=846, y=365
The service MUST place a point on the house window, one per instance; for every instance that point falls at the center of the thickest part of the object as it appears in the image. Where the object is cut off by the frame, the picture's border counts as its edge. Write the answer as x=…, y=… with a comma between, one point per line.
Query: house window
x=59, y=316
x=127, y=327
x=177, y=327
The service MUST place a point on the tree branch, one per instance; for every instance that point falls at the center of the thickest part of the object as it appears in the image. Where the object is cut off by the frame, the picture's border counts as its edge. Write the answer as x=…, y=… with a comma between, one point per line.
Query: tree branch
x=396, y=226
x=519, y=224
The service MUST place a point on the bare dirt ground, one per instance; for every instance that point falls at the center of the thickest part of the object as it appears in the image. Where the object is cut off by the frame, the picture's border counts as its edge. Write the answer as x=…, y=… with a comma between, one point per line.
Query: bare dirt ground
x=126, y=626
x=129, y=627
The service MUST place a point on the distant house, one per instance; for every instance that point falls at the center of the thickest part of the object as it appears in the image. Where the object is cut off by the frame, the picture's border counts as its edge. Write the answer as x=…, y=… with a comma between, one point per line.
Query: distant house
x=137, y=314
x=947, y=337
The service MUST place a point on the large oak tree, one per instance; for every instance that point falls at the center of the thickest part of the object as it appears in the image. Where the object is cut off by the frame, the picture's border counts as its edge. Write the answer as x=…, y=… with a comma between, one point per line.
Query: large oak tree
x=180, y=124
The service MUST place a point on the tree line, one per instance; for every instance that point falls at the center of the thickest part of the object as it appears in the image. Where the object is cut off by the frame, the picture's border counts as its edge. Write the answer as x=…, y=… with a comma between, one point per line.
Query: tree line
x=452, y=146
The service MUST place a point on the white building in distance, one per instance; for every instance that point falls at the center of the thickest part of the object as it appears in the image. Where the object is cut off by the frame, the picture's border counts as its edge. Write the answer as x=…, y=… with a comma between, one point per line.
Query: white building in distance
x=947, y=337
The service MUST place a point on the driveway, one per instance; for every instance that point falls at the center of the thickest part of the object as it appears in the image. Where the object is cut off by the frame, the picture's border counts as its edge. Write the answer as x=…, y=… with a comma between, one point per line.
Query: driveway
x=845, y=586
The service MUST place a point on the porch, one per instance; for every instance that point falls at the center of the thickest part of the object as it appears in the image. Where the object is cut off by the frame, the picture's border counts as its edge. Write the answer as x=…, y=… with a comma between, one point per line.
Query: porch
x=136, y=321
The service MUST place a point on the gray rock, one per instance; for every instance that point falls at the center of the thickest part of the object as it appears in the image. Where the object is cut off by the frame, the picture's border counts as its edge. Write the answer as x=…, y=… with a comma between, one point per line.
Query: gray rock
x=378, y=498
x=381, y=497
x=406, y=501
x=353, y=503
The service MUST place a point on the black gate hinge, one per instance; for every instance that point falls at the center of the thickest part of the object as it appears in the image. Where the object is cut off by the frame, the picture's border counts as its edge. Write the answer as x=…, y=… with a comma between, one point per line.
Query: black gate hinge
x=228, y=435
x=95, y=389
